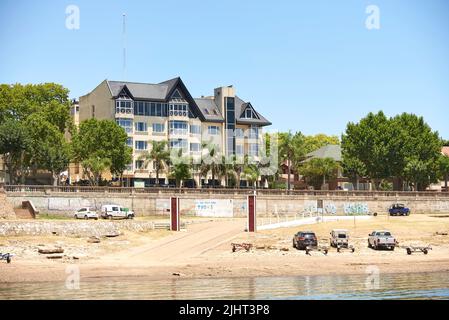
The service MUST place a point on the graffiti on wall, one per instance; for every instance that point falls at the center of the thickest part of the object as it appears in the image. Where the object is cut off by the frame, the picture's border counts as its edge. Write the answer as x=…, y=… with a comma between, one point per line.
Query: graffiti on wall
x=356, y=208
x=310, y=206
x=330, y=208
x=320, y=207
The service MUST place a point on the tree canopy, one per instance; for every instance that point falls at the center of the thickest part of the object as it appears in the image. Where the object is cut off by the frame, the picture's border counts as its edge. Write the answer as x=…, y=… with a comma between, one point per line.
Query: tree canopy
x=33, y=120
x=403, y=148
x=100, y=145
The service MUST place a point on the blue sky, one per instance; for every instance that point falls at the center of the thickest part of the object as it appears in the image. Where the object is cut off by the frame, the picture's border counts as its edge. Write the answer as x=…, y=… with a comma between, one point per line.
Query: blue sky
x=305, y=65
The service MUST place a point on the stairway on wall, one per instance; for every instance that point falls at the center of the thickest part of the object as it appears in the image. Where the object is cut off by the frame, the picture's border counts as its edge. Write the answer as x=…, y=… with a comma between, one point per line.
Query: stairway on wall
x=23, y=213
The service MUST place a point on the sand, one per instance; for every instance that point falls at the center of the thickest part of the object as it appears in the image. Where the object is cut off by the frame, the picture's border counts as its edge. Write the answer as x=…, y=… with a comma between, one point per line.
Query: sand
x=204, y=250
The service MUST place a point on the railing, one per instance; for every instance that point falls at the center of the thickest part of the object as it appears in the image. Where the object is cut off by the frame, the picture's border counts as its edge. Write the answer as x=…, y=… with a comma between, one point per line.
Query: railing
x=243, y=191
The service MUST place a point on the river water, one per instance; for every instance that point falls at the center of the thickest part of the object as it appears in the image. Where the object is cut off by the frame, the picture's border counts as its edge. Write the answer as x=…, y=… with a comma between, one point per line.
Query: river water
x=388, y=286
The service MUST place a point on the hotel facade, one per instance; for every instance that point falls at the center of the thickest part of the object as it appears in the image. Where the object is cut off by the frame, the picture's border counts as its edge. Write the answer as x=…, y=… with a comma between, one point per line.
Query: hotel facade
x=167, y=112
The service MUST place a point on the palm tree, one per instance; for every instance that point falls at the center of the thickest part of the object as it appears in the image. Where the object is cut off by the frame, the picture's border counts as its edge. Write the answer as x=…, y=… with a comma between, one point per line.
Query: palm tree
x=291, y=150
x=238, y=170
x=226, y=168
x=181, y=171
x=159, y=154
x=251, y=172
x=212, y=166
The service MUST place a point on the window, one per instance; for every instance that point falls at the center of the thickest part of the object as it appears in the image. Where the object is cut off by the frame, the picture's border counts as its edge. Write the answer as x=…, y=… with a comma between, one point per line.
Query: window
x=239, y=149
x=129, y=142
x=129, y=167
x=140, y=126
x=195, y=147
x=178, y=127
x=141, y=145
x=195, y=129
x=253, y=133
x=213, y=130
x=239, y=133
x=153, y=109
x=178, y=144
x=139, y=165
x=253, y=149
x=158, y=127
x=178, y=110
x=126, y=124
x=176, y=94
x=124, y=106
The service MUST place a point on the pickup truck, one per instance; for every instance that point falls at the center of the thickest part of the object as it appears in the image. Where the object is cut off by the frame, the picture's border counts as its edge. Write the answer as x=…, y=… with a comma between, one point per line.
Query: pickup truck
x=398, y=209
x=381, y=240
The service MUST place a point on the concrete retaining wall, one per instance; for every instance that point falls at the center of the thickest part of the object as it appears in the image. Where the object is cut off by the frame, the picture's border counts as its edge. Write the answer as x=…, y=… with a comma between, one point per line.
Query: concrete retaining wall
x=267, y=205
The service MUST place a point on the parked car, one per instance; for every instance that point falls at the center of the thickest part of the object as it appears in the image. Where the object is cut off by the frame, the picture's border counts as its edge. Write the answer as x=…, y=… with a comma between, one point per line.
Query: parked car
x=86, y=213
x=398, y=209
x=381, y=240
x=113, y=211
x=339, y=238
x=304, y=239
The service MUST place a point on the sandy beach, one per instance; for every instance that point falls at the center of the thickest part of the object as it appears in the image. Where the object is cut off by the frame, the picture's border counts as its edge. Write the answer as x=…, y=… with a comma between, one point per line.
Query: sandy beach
x=204, y=250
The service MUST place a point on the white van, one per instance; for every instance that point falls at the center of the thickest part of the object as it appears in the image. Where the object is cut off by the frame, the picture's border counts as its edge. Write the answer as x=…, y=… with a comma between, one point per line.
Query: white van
x=113, y=211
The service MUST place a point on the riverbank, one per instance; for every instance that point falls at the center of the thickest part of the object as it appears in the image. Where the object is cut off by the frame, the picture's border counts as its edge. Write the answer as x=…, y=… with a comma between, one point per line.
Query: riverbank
x=204, y=251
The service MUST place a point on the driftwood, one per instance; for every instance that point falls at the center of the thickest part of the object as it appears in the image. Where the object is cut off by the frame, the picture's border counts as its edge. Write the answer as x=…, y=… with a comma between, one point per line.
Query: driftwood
x=50, y=250
x=55, y=256
x=112, y=235
x=93, y=240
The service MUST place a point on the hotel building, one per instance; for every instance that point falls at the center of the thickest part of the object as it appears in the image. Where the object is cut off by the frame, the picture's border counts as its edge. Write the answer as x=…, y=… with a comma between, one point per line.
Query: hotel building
x=167, y=111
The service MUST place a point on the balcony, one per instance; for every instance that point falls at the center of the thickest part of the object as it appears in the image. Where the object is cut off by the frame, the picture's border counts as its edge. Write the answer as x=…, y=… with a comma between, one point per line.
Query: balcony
x=124, y=113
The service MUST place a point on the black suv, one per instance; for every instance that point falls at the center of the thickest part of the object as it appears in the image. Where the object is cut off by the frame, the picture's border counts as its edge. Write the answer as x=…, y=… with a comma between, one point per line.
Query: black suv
x=304, y=239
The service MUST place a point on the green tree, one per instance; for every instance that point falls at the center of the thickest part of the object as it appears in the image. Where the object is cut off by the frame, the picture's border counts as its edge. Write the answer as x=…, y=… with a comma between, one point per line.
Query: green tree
x=20, y=101
x=181, y=170
x=210, y=161
x=49, y=150
x=354, y=169
x=40, y=113
x=252, y=174
x=314, y=142
x=291, y=151
x=100, y=145
x=14, y=142
x=443, y=166
x=414, y=141
x=94, y=166
x=399, y=148
x=417, y=172
x=369, y=141
x=316, y=170
x=159, y=155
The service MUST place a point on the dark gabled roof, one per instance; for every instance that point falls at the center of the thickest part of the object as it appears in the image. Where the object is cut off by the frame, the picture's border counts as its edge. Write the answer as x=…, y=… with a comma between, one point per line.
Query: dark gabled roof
x=240, y=106
x=145, y=91
x=209, y=109
x=155, y=92
x=204, y=108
